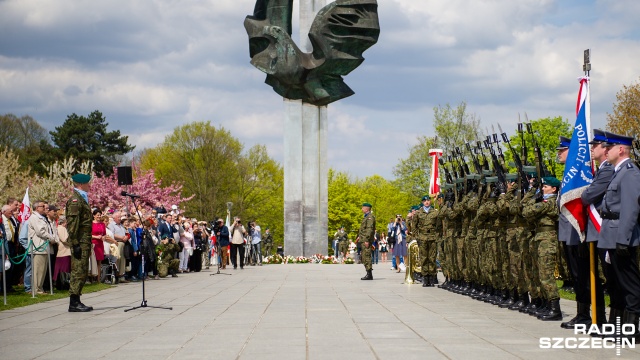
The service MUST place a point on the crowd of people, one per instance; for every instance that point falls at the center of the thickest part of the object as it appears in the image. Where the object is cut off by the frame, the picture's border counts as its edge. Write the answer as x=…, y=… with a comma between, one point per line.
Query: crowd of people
x=126, y=246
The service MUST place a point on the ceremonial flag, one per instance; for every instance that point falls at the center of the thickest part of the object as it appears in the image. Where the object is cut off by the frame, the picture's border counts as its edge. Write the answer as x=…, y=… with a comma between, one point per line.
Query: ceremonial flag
x=578, y=174
x=25, y=208
x=434, y=179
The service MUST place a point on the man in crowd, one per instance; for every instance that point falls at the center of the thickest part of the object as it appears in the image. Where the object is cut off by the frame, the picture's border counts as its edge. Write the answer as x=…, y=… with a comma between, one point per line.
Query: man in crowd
x=256, y=238
x=42, y=234
x=121, y=236
x=79, y=223
x=366, y=238
x=222, y=238
x=237, y=243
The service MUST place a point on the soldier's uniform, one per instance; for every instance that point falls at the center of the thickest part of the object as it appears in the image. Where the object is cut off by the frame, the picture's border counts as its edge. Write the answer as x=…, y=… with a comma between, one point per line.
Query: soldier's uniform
x=79, y=224
x=593, y=195
x=268, y=243
x=545, y=215
x=366, y=235
x=620, y=232
x=470, y=241
x=343, y=241
x=168, y=259
x=426, y=227
x=444, y=241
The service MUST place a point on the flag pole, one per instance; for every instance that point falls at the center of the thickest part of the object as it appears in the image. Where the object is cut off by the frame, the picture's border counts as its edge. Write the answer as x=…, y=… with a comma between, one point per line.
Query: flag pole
x=586, y=67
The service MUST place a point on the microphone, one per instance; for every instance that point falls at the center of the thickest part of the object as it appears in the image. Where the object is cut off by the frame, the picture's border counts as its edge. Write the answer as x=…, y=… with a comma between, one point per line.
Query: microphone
x=124, y=193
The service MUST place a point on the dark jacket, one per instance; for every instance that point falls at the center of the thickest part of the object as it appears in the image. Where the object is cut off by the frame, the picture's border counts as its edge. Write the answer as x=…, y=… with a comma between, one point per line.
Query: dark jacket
x=223, y=238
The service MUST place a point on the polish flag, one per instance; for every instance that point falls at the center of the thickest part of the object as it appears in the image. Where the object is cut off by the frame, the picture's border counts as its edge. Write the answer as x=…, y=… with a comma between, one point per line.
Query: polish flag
x=25, y=208
x=434, y=179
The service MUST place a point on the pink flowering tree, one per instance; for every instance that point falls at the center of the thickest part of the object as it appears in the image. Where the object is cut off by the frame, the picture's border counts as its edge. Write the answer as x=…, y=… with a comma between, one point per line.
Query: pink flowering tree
x=105, y=191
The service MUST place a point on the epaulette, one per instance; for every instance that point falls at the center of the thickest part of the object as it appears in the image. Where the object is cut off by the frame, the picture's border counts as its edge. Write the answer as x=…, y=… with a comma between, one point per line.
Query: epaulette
x=629, y=165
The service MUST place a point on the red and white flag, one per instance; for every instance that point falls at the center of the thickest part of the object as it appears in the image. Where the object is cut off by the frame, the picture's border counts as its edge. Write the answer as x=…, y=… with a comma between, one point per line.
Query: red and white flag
x=434, y=179
x=25, y=208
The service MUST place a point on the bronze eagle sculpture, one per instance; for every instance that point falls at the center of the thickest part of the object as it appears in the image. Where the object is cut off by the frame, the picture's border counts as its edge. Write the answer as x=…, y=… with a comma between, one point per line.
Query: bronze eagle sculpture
x=339, y=34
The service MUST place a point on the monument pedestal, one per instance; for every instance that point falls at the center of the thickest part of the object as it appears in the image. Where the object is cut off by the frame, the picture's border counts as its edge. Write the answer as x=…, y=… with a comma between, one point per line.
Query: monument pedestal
x=305, y=179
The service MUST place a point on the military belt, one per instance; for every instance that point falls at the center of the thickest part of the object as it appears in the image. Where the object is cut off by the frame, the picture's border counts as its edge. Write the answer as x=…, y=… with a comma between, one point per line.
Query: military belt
x=608, y=215
x=546, y=228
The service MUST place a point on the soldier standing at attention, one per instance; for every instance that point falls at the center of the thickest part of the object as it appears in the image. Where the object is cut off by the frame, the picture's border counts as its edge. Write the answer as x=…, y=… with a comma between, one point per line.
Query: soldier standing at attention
x=365, y=236
x=343, y=242
x=268, y=242
x=79, y=222
x=426, y=227
x=545, y=215
x=620, y=231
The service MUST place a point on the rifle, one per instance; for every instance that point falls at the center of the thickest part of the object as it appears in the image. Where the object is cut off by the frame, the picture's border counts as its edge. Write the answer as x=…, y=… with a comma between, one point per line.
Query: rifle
x=463, y=163
x=497, y=167
x=447, y=174
x=522, y=176
x=541, y=168
x=478, y=149
x=476, y=164
x=525, y=153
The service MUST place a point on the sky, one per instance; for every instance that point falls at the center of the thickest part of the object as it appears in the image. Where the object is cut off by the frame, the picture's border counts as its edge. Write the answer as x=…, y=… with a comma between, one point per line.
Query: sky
x=152, y=65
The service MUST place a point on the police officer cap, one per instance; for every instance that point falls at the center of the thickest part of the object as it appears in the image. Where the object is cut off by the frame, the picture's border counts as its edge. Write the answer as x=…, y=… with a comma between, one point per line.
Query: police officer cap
x=426, y=197
x=598, y=137
x=366, y=204
x=564, y=143
x=81, y=178
x=617, y=139
x=551, y=181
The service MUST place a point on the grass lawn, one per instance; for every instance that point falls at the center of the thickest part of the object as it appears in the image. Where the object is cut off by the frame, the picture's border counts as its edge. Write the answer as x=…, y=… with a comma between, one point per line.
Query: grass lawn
x=20, y=298
x=572, y=296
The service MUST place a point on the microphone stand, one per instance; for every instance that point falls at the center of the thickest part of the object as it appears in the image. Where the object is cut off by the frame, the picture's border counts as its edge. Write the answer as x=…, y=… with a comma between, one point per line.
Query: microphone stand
x=219, y=256
x=145, y=233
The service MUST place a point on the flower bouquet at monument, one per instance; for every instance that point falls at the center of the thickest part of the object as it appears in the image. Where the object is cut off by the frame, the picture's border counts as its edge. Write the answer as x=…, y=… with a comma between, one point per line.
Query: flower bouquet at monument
x=273, y=259
x=329, y=260
x=349, y=261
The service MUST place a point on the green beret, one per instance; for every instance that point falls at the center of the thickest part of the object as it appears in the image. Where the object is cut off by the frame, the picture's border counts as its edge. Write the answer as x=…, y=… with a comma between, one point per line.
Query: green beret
x=426, y=197
x=81, y=178
x=366, y=204
x=491, y=179
x=551, y=181
x=511, y=177
x=530, y=170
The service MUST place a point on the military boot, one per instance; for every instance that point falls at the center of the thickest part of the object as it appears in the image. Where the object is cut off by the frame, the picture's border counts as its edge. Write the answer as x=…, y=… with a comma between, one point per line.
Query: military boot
x=523, y=300
x=434, y=279
x=543, y=309
x=582, y=317
x=426, y=281
x=533, y=306
x=479, y=293
x=488, y=295
x=511, y=299
x=367, y=277
x=498, y=296
x=81, y=304
x=76, y=306
x=554, y=313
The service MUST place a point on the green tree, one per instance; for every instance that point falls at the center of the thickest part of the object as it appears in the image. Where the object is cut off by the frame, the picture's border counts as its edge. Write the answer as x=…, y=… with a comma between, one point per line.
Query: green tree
x=344, y=200
x=547, y=132
x=626, y=111
x=28, y=139
x=86, y=138
x=453, y=128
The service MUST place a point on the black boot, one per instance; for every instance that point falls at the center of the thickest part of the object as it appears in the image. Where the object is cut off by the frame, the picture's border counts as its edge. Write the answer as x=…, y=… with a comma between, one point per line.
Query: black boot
x=554, y=314
x=434, y=279
x=426, y=281
x=629, y=318
x=523, y=300
x=582, y=317
x=76, y=306
x=81, y=304
x=488, y=294
x=510, y=299
x=499, y=297
x=369, y=276
x=543, y=309
x=533, y=306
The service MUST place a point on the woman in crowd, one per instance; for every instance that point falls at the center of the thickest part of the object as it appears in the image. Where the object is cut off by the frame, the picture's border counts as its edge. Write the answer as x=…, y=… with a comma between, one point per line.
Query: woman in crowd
x=383, y=247
x=63, y=257
x=98, y=233
x=186, y=238
x=399, y=232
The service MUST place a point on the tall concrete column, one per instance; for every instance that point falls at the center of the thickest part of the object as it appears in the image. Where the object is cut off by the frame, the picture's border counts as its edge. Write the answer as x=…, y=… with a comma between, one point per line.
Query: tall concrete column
x=305, y=163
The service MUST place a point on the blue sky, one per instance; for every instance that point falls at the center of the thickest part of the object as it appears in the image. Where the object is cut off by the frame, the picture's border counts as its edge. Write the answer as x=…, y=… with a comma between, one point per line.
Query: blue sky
x=151, y=65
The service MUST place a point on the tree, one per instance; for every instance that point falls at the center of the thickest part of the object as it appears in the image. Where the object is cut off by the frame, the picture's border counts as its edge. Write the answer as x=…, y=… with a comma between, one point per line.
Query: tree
x=13, y=179
x=547, y=133
x=87, y=138
x=453, y=128
x=344, y=200
x=626, y=111
x=28, y=139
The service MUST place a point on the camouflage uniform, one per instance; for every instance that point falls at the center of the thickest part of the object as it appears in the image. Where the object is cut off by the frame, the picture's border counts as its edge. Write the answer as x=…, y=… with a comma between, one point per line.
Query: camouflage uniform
x=168, y=258
x=426, y=227
x=486, y=243
x=268, y=243
x=444, y=240
x=530, y=259
x=79, y=223
x=461, y=249
x=343, y=242
x=366, y=234
x=545, y=215
x=470, y=243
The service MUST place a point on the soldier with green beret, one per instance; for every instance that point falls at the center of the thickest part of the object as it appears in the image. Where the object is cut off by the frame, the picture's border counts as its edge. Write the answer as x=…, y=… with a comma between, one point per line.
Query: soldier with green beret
x=79, y=223
x=366, y=237
x=426, y=227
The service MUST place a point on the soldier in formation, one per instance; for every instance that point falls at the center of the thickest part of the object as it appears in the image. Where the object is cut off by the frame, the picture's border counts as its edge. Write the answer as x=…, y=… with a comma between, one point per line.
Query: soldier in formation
x=366, y=238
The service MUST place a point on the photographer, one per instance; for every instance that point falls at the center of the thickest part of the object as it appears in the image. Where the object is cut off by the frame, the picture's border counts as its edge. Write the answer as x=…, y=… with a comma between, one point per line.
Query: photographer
x=237, y=243
x=256, y=238
x=399, y=232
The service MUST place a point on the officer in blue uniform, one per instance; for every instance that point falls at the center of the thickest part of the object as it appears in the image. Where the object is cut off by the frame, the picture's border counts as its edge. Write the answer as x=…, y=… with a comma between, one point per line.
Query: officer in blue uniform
x=620, y=233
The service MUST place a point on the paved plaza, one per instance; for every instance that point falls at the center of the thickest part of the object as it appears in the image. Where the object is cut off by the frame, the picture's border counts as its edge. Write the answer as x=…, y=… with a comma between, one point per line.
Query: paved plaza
x=294, y=311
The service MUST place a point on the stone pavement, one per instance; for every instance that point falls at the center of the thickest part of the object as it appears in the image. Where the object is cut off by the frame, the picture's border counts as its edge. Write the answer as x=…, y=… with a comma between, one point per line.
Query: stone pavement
x=294, y=311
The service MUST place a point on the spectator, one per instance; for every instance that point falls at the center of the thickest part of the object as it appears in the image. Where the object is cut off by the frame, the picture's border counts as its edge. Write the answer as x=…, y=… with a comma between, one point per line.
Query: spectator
x=188, y=244
x=98, y=235
x=9, y=234
x=375, y=247
x=164, y=227
x=121, y=236
x=159, y=208
x=15, y=248
x=63, y=257
x=237, y=243
x=256, y=238
x=130, y=224
x=222, y=237
x=383, y=247
x=52, y=216
x=41, y=234
x=399, y=231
